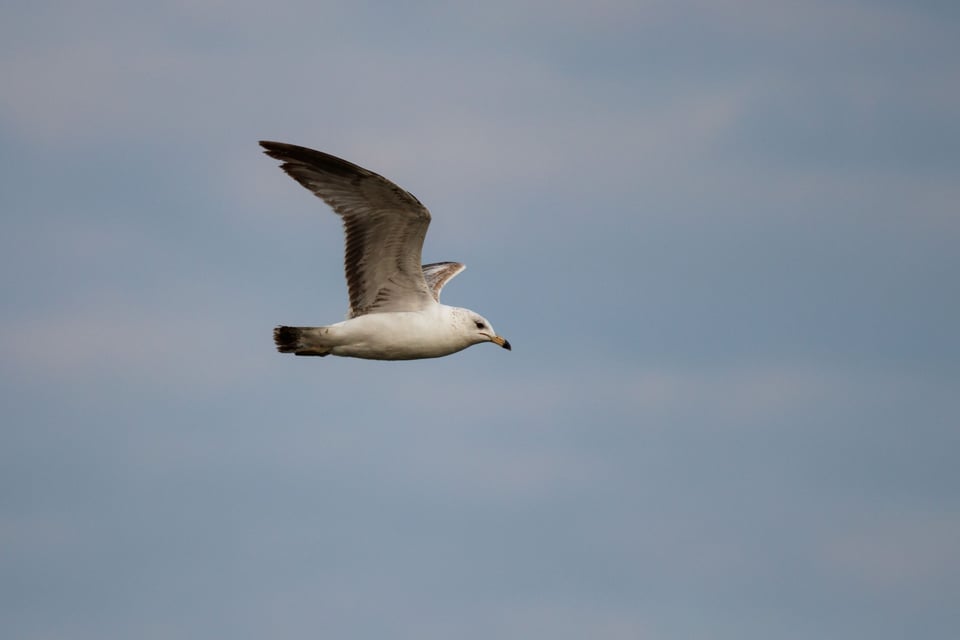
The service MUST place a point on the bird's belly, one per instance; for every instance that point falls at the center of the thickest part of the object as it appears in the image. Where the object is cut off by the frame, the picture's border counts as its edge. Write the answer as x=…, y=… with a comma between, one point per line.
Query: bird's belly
x=395, y=336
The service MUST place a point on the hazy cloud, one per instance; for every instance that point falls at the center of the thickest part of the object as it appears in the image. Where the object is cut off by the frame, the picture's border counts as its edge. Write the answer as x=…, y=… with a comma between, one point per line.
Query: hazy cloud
x=720, y=235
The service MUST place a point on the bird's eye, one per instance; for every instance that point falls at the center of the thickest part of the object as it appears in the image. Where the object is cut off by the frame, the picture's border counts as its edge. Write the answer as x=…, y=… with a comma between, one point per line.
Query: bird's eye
x=479, y=324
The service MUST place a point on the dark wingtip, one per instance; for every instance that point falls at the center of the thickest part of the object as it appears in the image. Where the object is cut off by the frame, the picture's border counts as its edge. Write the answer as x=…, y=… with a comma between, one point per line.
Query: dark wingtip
x=293, y=155
x=276, y=150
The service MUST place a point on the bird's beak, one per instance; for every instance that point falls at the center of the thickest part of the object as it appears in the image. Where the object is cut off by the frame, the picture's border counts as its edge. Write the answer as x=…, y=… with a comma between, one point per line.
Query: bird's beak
x=501, y=341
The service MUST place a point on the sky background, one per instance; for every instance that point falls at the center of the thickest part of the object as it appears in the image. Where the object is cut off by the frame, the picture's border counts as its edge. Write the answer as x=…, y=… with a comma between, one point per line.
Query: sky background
x=721, y=236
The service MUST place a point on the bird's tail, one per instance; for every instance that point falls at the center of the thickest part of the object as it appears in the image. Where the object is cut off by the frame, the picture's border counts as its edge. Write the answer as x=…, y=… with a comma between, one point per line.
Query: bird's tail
x=302, y=341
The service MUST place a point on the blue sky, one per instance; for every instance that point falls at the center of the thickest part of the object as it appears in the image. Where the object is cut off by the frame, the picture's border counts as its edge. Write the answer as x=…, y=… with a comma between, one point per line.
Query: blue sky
x=721, y=237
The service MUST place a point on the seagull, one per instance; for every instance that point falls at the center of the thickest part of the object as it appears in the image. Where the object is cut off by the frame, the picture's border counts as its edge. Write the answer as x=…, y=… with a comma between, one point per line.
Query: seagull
x=395, y=311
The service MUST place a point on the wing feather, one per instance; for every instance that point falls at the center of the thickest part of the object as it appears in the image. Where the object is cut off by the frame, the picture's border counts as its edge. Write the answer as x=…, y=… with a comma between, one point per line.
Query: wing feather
x=438, y=273
x=384, y=226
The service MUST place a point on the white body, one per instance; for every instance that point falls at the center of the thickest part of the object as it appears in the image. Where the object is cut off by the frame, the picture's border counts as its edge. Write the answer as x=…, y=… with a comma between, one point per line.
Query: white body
x=399, y=335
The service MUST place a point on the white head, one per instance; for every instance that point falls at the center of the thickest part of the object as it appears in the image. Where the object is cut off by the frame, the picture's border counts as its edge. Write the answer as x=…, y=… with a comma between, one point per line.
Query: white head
x=477, y=329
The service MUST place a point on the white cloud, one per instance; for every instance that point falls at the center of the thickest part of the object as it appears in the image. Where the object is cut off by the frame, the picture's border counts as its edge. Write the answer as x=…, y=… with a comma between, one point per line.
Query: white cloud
x=896, y=552
x=750, y=395
x=179, y=342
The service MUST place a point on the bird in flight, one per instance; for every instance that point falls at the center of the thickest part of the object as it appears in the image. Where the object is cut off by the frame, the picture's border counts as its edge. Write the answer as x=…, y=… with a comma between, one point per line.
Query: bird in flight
x=395, y=311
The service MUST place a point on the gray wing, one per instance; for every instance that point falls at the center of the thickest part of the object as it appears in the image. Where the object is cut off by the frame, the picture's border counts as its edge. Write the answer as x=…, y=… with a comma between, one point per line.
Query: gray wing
x=437, y=273
x=384, y=225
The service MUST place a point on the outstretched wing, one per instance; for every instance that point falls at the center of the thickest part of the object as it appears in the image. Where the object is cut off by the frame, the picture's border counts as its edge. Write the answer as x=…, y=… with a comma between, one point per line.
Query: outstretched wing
x=437, y=273
x=384, y=226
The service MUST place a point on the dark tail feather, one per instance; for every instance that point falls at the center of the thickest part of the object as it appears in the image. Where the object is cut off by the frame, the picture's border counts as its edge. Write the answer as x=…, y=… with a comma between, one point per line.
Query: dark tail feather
x=291, y=340
x=287, y=339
